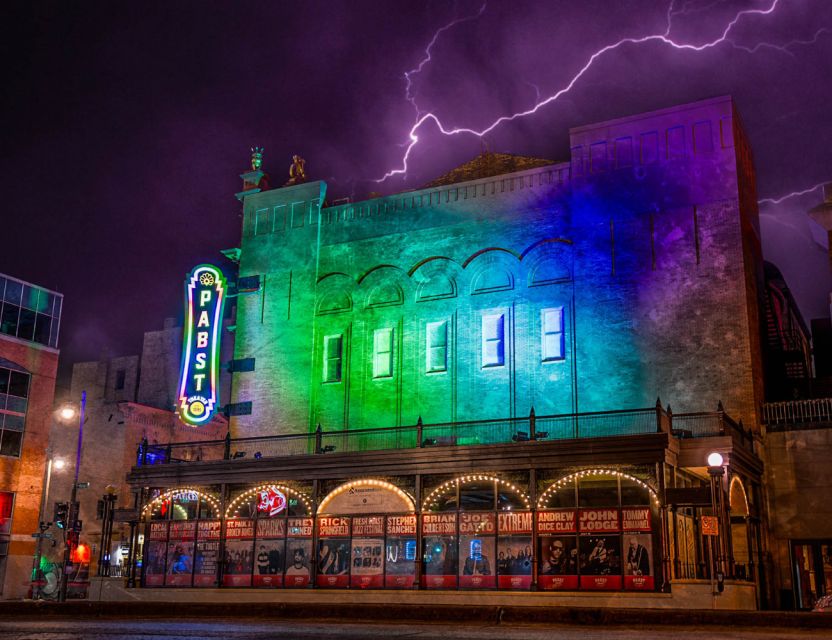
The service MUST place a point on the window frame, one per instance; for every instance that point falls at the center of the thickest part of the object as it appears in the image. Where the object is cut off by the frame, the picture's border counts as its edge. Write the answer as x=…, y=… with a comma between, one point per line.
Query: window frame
x=432, y=348
x=387, y=352
x=558, y=333
x=333, y=365
x=5, y=412
x=499, y=340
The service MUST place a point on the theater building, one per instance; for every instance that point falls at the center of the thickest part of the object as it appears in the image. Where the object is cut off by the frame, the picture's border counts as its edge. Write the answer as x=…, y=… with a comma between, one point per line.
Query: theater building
x=30, y=318
x=469, y=386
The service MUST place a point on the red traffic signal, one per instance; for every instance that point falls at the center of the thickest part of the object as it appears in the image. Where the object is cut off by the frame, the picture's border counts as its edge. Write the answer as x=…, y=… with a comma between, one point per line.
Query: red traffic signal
x=80, y=554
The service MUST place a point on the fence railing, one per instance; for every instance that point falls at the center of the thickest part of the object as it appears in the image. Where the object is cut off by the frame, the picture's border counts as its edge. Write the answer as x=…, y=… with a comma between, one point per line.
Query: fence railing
x=797, y=412
x=531, y=428
x=707, y=424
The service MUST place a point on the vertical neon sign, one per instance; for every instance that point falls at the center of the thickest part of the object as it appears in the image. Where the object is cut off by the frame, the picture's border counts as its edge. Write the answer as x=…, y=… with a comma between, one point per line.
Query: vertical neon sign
x=199, y=381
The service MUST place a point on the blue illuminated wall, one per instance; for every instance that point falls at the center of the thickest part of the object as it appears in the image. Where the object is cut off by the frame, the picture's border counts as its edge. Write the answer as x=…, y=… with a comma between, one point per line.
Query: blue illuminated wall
x=644, y=242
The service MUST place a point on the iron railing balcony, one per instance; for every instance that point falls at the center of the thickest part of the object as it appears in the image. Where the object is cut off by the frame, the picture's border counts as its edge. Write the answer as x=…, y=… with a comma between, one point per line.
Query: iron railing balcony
x=801, y=413
x=531, y=428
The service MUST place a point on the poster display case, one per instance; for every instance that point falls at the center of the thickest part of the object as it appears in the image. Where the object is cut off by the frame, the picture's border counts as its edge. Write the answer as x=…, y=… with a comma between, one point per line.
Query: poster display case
x=333, y=552
x=207, y=553
x=239, y=550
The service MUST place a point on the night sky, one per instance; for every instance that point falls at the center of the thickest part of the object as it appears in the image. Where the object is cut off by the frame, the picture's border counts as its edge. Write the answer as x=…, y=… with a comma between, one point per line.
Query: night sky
x=125, y=125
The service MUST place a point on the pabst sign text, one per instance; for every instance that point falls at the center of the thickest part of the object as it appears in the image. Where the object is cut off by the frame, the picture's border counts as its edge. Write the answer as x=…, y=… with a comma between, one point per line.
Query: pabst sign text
x=199, y=378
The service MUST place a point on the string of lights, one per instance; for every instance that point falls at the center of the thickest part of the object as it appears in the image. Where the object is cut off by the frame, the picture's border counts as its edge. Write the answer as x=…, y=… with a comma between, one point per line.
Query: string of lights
x=569, y=480
x=367, y=482
x=433, y=497
x=233, y=510
x=180, y=492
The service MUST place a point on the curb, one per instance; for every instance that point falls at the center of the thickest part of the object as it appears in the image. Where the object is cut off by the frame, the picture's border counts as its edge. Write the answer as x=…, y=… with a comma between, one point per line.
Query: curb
x=418, y=613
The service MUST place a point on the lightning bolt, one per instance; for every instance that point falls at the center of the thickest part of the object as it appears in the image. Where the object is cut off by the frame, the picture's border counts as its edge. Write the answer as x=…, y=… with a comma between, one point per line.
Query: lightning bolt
x=408, y=75
x=663, y=38
x=793, y=194
x=783, y=47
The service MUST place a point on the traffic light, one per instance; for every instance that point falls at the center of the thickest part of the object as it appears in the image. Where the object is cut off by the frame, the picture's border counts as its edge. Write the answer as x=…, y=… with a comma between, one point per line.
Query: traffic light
x=80, y=553
x=61, y=516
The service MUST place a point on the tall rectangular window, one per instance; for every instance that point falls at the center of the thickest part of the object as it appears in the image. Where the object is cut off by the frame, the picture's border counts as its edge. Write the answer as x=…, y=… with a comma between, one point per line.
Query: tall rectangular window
x=333, y=350
x=551, y=326
x=493, y=340
x=14, y=401
x=436, y=347
x=382, y=353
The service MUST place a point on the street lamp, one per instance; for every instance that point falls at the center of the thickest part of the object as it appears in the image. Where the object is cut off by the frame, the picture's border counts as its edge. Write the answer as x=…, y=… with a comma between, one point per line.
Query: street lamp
x=52, y=463
x=716, y=471
x=72, y=533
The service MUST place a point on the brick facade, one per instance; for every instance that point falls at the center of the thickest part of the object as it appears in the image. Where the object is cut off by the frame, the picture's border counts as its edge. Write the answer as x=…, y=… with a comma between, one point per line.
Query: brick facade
x=646, y=239
x=23, y=475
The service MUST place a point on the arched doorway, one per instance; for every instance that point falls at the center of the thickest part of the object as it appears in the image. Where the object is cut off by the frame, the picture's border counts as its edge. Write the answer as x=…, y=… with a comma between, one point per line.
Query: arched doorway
x=742, y=539
x=181, y=542
x=268, y=537
x=366, y=532
x=477, y=534
x=595, y=531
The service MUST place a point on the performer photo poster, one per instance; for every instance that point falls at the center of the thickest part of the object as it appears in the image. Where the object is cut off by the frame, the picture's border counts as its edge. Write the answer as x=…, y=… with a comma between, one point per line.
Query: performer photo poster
x=600, y=561
x=558, y=564
x=476, y=562
x=298, y=556
x=440, y=561
x=638, y=569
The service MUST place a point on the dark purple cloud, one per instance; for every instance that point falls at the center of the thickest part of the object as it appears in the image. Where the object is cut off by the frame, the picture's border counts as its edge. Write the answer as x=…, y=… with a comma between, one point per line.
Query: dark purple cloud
x=125, y=125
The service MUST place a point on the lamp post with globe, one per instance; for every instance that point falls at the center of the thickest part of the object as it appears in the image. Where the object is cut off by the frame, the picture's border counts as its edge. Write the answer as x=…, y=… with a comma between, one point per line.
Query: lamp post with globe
x=716, y=471
x=52, y=463
x=68, y=412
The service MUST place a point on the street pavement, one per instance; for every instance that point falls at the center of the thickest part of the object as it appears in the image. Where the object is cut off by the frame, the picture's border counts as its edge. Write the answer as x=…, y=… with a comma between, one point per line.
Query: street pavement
x=160, y=629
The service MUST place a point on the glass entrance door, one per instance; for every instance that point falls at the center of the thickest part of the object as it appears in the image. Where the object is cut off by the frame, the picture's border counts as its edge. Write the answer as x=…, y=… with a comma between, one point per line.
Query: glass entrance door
x=812, y=567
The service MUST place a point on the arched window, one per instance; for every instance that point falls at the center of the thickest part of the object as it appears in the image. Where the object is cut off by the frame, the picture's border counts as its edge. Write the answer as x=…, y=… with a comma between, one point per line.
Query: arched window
x=182, y=537
x=595, y=531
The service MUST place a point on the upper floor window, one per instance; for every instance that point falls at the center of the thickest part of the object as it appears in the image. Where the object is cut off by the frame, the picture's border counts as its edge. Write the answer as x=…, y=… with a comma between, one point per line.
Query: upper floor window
x=382, y=353
x=493, y=340
x=121, y=376
x=28, y=312
x=436, y=347
x=333, y=350
x=551, y=326
x=14, y=398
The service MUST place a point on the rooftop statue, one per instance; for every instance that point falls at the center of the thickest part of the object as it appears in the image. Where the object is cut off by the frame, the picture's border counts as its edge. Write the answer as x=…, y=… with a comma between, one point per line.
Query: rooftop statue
x=297, y=172
x=256, y=158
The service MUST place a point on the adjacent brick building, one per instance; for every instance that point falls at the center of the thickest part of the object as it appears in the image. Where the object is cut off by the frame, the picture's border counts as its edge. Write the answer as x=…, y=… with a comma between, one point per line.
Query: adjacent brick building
x=30, y=318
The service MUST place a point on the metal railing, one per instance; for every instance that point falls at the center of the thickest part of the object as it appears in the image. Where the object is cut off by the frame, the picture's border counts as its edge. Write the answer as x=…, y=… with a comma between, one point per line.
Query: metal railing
x=797, y=412
x=529, y=428
x=706, y=424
